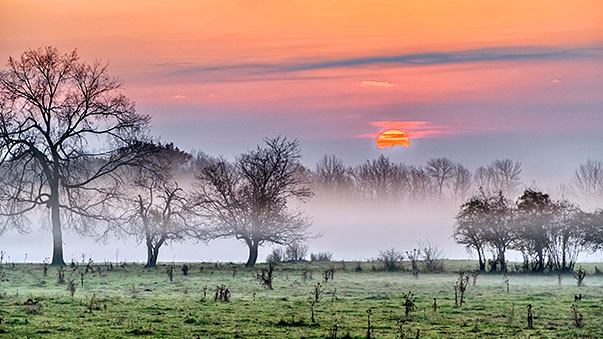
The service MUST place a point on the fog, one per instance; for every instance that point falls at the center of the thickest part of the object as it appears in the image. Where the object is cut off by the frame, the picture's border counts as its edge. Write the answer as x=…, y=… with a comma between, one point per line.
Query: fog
x=350, y=229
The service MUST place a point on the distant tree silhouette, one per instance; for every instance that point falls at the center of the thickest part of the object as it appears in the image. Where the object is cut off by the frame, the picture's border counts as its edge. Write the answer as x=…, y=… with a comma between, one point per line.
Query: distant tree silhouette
x=441, y=171
x=380, y=179
x=500, y=176
x=460, y=182
x=588, y=182
x=421, y=187
x=331, y=175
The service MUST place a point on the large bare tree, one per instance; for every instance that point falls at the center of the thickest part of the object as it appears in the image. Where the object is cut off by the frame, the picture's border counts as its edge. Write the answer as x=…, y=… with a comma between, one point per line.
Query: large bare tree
x=64, y=128
x=249, y=199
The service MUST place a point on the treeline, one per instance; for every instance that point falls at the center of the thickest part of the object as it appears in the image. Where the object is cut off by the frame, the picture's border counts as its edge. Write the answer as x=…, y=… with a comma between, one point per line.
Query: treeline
x=441, y=179
x=550, y=234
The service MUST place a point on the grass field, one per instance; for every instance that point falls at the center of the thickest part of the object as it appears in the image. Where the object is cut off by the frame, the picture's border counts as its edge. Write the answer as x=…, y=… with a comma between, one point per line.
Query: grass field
x=133, y=301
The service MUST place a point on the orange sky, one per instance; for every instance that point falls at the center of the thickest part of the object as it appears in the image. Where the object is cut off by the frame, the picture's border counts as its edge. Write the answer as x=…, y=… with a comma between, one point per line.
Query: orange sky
x=303, y=57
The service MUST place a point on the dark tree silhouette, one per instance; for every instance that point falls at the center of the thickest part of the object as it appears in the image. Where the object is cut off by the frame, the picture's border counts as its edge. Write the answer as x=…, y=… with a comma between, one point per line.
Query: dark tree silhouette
x=249, y=199
x=380, y=178
x=331, y=175
x=469, y=228
x=568, y=234
x=64, y=126
x=508, y=173
x=534, y=217
x=441, y=171
x=500, y=176
x=460, y=182
x=499, y=231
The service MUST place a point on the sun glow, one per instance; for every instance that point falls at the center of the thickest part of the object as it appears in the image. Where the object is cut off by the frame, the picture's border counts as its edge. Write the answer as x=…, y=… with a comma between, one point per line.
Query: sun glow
x=392, y=138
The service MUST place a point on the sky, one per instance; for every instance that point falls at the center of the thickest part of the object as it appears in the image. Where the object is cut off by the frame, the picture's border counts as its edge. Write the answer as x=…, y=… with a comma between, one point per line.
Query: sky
x=471, y=80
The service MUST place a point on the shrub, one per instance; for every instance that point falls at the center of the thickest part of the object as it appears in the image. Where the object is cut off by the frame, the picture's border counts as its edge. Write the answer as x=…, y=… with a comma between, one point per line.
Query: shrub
x=276, y=255
x=321, y=256
x=431, y=256
x=390, y=258
x=296, y=251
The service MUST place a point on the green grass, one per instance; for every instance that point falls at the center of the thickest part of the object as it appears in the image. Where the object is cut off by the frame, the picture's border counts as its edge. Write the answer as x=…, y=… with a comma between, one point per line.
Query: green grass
x=138, y=302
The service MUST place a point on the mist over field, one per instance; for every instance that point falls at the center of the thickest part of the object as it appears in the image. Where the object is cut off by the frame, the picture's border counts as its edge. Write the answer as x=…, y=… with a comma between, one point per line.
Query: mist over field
x=349, y=228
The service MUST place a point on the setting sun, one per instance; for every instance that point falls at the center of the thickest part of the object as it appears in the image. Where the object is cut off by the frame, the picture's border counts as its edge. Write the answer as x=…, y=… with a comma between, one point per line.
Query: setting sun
x=392, y=138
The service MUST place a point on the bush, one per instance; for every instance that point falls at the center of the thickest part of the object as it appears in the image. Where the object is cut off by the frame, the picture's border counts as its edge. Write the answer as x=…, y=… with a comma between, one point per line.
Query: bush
x=390, y=259
x=296, y=252
x=276, y=255
x=321, y=256
x=431, y=256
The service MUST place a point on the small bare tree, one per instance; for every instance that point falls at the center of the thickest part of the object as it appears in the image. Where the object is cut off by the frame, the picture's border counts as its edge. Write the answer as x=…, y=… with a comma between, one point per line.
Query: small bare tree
x=390, y=258
x=432, y=256
x=459, y=289
x=296, y=251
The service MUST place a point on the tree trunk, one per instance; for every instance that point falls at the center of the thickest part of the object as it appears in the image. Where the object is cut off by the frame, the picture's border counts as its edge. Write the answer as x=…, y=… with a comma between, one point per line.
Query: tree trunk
x=253, y=253
x=152, y=255
x=540, y=267
x=153, y=251
x=57, y=233
x=482, y=261
x=502, y=260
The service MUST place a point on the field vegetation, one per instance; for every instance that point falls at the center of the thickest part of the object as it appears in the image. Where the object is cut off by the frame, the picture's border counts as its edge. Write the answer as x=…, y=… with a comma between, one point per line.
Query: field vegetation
x=307, y=300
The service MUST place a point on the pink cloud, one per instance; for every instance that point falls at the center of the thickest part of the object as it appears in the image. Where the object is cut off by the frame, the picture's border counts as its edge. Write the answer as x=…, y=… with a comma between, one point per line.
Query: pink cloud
x=371, y=83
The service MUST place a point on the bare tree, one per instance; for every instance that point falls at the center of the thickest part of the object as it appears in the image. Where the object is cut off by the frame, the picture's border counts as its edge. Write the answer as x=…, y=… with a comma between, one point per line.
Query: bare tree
x=588, y=181
x=441, y=170
x=569, y=235
x=380, y=178
x=158, y=209
x=331, y=174
x=508, y=173
x=469, y=229
x=500, y=176
x=460, y=182
x=420, y=185
x=390, y=258
x=499, y=229
x=296, y=251
x=64, y=126
x=249, y=199
x=432, y=256
x=486, y=179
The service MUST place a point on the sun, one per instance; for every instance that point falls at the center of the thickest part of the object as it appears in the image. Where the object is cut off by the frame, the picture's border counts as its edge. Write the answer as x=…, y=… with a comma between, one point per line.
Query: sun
x=392, y=138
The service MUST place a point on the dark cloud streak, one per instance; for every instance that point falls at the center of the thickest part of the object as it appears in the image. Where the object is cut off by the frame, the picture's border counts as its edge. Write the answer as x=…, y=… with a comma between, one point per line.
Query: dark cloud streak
x=498, y=54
